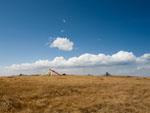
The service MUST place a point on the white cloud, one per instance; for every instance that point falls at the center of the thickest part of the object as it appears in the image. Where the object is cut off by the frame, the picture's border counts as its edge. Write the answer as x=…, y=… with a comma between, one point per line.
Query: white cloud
x=29, y=66
x=121, y=62
x=144, y=58
x=86, y=60
x=124, y=57
x=62, y=43
x=63, y=20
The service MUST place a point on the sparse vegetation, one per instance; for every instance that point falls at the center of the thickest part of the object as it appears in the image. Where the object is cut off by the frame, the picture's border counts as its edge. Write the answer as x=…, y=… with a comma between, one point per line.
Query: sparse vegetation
x=74, y=94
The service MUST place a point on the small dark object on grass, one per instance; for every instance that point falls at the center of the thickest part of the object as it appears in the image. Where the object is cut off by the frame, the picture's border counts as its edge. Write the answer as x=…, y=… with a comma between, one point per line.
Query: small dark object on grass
x=64, y=74
x=90, y=75
x=21, y=74
x=107, y=74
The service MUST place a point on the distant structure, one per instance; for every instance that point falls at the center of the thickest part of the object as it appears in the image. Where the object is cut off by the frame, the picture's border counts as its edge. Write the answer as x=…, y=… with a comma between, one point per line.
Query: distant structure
x=21, y=74
x=52, y=72
x=107, y=74
x=64, y=74
x=90, y=75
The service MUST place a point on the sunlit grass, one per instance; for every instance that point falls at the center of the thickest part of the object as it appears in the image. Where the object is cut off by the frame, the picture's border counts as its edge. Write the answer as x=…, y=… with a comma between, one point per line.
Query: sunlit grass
x=74, y=94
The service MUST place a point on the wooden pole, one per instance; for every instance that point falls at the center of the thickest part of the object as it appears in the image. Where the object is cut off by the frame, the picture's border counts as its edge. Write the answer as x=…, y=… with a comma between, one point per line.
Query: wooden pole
x=52, y=71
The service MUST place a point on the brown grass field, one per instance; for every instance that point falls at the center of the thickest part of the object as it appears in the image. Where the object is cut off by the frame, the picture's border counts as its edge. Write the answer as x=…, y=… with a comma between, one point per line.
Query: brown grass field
x=74, y=94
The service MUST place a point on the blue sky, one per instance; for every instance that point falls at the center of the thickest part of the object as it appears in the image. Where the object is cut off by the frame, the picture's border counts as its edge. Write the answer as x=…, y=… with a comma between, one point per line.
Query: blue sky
x=94, y=26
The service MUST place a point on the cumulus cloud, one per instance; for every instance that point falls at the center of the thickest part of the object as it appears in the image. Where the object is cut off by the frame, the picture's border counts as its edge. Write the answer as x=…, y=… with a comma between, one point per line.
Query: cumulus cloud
x=29, y=66
x=146, y=56
x=62, y=43
x=121, y=62
x=86, y=59
x=143, y=61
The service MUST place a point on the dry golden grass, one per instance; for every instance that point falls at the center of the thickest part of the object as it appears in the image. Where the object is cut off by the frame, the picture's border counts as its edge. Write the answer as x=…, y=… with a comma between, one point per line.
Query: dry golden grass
x=74, y=94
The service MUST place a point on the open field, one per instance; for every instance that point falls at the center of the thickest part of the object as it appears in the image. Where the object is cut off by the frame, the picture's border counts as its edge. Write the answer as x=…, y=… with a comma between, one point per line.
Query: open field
x=74, y=94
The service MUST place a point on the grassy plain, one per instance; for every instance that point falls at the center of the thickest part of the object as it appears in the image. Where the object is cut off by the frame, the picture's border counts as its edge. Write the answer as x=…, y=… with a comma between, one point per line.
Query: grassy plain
x=74, y=94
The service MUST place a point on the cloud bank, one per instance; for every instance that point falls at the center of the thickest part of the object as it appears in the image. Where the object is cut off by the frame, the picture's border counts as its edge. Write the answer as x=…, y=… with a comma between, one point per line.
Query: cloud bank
x=122, y=62
x=62, y=43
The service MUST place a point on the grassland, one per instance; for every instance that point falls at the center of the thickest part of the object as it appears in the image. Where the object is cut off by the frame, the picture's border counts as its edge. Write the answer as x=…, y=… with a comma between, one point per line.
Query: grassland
x=74, y=94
